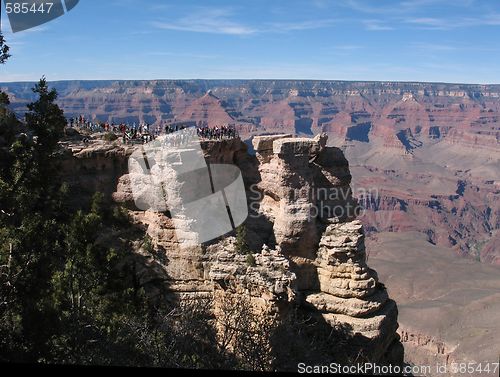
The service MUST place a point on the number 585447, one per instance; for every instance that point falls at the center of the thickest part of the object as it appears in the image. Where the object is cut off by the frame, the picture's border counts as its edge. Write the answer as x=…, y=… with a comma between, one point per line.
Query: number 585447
x=25, y=8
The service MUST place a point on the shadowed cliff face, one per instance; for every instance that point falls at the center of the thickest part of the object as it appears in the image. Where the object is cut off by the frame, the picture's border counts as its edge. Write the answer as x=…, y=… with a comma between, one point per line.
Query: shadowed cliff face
x=431, y=151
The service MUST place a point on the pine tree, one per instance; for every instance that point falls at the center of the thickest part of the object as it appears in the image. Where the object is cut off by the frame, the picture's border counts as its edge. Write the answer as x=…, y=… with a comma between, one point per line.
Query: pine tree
x=4, y=50
x=30, y=198
x=241, y=240
x=64, y=297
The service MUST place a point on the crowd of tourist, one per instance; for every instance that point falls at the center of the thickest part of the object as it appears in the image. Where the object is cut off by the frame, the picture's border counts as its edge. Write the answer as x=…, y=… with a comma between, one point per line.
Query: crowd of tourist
x=217, y=132
x=145, y=132
x=179, y=139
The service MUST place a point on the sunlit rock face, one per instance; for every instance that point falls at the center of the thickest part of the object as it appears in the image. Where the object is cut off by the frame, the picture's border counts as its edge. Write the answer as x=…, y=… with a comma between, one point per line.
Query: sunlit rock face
x=306, y=245
x=306, y=196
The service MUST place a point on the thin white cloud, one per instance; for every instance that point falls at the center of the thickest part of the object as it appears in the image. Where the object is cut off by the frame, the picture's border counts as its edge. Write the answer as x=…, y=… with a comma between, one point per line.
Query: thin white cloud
x=376, y=25
x=210, y=20
x=434, y=47
x=417, y=14
x=434, y=23
x=348, y=47
x=205, y=27
x=492, y=20
x=414, y=4
x=426, y=47
x=401, y=7
x=361, y=6
x=182, y=55
x=343, y=50
x=321, y=4
x=221, y=21
x=160, y=7
x=300, y=25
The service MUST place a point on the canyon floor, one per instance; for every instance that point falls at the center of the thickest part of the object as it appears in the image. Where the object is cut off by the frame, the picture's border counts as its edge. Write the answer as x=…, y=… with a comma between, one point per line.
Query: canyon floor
x=448, y=306
x=448, y=301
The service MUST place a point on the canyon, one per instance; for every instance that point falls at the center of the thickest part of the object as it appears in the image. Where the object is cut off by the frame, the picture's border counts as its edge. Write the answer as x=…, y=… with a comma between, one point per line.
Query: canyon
x=429, y=151
x=424, y=160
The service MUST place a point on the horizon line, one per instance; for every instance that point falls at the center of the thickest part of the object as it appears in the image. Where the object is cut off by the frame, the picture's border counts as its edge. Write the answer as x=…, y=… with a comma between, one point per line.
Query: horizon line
x=258, y=79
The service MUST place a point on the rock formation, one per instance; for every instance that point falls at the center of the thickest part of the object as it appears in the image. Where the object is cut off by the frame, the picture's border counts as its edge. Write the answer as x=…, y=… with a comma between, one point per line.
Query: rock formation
x=307, y=248
x=306, y=195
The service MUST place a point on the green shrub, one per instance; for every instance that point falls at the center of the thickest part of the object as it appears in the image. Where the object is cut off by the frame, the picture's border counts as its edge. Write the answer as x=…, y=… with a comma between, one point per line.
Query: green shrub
x=241, y=240
x=110, y=137
x=251, y=260
x=147, y=244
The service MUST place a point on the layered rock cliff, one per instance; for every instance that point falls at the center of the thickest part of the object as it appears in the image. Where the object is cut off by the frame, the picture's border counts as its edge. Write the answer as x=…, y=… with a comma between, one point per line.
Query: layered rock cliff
x=307, y=246
x=305, y=194
x=430, y=149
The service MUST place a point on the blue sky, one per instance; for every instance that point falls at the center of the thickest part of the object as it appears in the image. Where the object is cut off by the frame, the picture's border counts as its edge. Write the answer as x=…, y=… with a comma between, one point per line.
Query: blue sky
x=396, y=40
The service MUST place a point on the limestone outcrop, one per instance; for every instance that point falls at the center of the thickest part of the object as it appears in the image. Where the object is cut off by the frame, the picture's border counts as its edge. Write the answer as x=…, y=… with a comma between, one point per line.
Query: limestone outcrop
x=306, y=247
x=267, y=276
x=306, y=196
x=349, y=290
